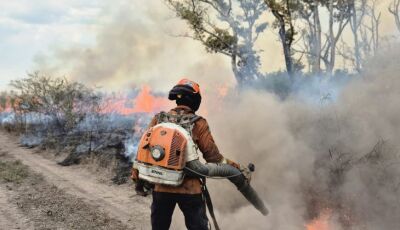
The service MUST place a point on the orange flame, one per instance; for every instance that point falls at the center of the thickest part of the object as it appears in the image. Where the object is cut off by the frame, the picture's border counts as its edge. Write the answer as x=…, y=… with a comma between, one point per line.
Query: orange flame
x=144, y=102
x=320, y=223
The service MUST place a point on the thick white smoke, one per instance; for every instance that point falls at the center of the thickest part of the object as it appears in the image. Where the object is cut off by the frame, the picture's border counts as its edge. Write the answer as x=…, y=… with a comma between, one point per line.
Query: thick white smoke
x=340, y=155
x=136, y=44
x=308, y=156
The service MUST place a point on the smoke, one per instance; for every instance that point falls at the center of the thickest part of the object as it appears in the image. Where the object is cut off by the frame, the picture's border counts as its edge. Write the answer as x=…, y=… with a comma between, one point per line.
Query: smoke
x=7, y=118
x=340, y=155
x=136, y=44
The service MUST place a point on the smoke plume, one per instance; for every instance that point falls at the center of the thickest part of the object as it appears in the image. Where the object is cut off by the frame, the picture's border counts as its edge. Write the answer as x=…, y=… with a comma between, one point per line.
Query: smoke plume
x=337, y=156
x=136, y=44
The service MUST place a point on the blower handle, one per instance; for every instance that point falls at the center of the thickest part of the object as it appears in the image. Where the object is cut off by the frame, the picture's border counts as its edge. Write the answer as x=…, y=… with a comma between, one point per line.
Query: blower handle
x=251, y=167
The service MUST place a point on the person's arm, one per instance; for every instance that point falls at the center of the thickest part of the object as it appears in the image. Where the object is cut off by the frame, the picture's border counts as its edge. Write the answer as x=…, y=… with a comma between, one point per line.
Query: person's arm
x=205, y=141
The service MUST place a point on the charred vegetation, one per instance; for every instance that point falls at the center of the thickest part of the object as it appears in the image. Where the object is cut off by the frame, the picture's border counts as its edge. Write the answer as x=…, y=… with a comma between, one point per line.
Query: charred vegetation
x=66, y=117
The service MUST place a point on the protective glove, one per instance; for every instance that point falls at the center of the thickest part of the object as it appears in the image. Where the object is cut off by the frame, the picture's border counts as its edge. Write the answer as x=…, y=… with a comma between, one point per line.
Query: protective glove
x=134, y=174
x=245, y=170
x=246, y=173
x=232, y=163
x=140, y=188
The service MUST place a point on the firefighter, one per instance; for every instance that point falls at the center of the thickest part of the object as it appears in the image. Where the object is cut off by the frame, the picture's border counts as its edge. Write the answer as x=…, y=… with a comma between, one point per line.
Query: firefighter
x=188, y=195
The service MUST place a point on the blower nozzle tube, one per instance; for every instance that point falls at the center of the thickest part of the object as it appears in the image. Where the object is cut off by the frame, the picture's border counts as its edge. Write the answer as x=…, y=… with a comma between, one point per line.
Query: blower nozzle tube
x=228, y=171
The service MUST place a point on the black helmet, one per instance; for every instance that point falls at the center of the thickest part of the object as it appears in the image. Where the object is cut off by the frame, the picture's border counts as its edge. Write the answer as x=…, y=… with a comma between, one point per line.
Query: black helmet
x=186, y=92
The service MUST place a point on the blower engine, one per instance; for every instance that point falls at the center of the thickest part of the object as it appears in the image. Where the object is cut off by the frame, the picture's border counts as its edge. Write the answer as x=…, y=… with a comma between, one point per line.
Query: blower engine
x=163, y=152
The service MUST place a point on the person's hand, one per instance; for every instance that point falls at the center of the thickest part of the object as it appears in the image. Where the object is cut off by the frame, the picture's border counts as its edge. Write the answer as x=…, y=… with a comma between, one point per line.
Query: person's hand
x=143, y=188
x=232, y=163
x=246, y=173
x=134, y=174
x=140, y=191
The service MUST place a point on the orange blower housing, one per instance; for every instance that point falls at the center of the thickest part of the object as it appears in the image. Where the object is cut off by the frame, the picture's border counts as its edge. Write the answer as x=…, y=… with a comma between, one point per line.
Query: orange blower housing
x=164, y=147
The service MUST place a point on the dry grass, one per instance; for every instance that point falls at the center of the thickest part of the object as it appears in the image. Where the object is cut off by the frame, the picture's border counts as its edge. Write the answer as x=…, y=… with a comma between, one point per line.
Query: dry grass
x=13, y=171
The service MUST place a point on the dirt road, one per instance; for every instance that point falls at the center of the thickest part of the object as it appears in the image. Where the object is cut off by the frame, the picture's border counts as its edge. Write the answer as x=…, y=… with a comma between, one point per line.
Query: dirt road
x=10, y=216
x=118, y=202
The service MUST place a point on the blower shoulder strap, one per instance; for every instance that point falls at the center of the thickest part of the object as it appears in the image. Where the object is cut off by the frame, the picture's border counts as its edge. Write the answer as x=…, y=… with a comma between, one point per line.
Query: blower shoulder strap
x=186, y=121
x=196, y=118
x=161, y=117
x=210, y=207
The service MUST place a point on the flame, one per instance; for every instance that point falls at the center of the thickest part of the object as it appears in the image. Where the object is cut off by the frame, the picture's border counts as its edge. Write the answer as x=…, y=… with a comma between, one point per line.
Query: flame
x=320, y=223
x=144, y=102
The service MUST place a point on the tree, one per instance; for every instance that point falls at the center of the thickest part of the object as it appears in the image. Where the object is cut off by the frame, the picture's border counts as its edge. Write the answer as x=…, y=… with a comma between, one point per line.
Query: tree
x=312, y=35
x=4, y=99
x=375, y=18
x=365, y=23
x=227, y=27
x=67, y=103
x=339, y=12
x=316, y=49
x=394, y=9
x=358, y=12
x=283, y=11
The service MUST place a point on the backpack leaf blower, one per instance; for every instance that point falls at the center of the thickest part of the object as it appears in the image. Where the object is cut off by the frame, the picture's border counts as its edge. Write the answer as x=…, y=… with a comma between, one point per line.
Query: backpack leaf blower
x=167, y=153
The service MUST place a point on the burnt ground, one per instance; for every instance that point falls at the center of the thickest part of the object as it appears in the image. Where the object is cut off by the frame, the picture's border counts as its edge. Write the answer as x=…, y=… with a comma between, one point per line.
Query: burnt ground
x=37, y=193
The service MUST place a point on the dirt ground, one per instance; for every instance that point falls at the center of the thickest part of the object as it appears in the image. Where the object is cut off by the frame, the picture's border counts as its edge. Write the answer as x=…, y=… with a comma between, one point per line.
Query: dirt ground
x=36, y=193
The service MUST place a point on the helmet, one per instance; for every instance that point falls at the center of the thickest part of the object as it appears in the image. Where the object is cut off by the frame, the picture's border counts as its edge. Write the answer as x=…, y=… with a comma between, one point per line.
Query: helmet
x=186, y=92
x=184, y=87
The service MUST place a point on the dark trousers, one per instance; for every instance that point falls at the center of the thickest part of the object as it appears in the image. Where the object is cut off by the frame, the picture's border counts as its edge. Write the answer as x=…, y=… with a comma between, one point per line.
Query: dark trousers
x=192, y=206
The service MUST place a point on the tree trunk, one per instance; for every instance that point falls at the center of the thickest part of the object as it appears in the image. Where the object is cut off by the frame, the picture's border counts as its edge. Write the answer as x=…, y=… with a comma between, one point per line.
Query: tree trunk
x=287, y=52
x=316, y=50
x=394, y=9
x=331, y=63
x=397, y=18
x=354, y=28
x=236, y=73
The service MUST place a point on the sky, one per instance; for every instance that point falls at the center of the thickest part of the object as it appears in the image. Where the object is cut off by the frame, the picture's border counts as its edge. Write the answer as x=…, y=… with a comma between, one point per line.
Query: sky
x=114, y=44
x=28, y=28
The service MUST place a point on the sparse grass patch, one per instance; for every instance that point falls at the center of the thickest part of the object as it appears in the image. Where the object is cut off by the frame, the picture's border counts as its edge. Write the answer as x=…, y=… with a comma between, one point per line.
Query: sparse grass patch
x=13, y=171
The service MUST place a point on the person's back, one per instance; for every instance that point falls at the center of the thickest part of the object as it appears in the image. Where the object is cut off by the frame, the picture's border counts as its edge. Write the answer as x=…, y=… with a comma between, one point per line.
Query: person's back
x=188, y=195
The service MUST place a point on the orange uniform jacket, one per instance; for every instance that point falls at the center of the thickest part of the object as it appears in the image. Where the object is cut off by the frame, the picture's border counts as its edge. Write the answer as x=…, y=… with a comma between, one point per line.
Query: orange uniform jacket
x=204, y=140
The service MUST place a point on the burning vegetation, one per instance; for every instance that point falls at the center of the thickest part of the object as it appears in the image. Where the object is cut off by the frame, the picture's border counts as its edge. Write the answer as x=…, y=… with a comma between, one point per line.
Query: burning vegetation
x=325, y=139
x=328, y=165
x=55, y=113
x=326, y=171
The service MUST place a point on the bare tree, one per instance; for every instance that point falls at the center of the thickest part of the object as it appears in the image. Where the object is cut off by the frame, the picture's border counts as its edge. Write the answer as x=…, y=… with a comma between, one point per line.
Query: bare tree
x=316, y=48
x=394, y=9
x=67, y=103
x=339, y=12
x=283, y=12
x=346, y=52
x=375, y=23
x=365, y=23
x=358, y=12
x=227, y=27
x=309, y=11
